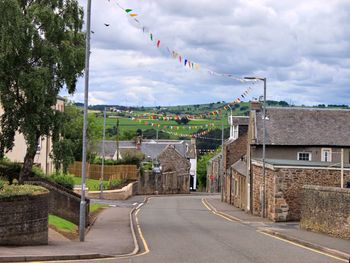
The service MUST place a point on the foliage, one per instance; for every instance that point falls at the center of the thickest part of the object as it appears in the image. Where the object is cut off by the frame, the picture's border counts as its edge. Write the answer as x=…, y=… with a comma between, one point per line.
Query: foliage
x=128, y=158
x=214, y=142
x=41, y=53
x=68, y=144
x=183, y=120
x=2, y=183
x=115, y=183
x=202, y=168
x=9, y=170
x=16, y=190
x=66, y=180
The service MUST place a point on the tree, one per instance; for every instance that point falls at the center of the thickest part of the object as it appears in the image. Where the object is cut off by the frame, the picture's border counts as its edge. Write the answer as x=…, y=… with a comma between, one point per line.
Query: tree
x=183, y=120
x=68, y=134
x=41, y=52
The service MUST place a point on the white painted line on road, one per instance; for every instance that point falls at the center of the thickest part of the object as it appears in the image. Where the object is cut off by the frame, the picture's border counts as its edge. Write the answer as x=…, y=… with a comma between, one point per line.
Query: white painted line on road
x=112, y=205
x=301, y=246
x=134, y=203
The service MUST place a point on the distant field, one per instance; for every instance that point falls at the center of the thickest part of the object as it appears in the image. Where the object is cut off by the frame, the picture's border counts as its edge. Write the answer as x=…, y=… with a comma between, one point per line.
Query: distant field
x=126, y=124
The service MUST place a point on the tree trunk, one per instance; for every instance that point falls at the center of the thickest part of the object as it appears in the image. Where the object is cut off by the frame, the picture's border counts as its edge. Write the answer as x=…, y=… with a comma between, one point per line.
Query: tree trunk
x=27, y=164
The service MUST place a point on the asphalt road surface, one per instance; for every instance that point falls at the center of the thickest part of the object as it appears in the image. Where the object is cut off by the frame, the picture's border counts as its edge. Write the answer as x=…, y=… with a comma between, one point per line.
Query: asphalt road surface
x=181, y=229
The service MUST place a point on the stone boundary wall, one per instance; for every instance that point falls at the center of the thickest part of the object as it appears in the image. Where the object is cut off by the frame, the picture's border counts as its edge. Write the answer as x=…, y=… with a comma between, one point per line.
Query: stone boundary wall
x=24, y=220
x=62, y=202
x=326, y=210
x=284, y=186
x=119, y=194
x=164, y=183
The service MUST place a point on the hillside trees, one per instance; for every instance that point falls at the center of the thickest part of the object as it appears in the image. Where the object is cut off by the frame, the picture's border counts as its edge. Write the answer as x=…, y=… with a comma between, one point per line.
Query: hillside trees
x=41, y=53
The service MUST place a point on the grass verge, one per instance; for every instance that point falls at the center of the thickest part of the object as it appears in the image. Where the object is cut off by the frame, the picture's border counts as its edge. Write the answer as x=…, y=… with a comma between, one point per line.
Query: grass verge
x=64, y=227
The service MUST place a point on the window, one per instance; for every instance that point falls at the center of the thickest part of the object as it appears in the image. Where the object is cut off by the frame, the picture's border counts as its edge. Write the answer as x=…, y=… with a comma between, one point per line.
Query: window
x=304, y=156
x=326, y=155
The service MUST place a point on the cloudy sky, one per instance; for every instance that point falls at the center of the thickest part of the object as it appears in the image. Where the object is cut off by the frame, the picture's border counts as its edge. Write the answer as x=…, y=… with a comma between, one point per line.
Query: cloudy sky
x=301, y=47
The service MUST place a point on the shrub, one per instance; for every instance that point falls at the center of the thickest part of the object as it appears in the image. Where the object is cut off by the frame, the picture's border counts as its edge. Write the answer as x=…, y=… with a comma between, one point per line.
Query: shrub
x=2, y=183
x=37, y=171
x=66, y=180
x=9, y=170
x=15, y=190
x=114, y=183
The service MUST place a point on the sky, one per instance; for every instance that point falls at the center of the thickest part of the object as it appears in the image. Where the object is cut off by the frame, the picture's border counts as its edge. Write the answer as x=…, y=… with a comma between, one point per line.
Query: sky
x=301, y=47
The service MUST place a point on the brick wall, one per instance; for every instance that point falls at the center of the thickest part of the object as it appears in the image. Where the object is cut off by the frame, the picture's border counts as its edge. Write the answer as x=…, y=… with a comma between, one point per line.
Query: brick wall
x=24, y=220
x=326, y=210
x=62, y=202
x=283, y=188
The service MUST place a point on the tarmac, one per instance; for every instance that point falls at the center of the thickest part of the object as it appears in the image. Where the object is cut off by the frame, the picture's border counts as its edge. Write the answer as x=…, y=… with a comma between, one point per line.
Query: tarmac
x=112, y=234
x=288, y=231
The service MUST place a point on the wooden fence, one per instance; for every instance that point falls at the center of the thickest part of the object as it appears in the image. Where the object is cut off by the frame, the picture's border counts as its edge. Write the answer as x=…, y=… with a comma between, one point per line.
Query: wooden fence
x=93, y=171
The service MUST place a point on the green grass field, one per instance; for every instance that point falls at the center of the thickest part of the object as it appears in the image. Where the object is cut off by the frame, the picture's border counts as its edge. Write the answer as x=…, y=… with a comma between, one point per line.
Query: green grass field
x=62, y=224
x=91, y=184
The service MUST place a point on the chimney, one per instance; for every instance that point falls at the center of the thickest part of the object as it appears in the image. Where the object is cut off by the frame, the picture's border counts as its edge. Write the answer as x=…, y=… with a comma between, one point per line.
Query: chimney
x=256, y=105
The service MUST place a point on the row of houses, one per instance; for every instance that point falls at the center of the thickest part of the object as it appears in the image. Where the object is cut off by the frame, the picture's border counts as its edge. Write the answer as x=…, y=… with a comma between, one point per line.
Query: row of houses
x=302, y=146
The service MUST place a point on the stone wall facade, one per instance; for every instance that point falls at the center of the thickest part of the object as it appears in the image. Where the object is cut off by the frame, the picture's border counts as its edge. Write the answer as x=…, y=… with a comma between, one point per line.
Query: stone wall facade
x=234, y=150
x=238, y=190
x=174, y=178
x=62, y=202
x=24, y=220
x=283, y=188
x=326, y=210
x=214, y=171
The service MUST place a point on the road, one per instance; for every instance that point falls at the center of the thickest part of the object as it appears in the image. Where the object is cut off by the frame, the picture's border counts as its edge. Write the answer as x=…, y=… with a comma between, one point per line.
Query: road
x=181, y=229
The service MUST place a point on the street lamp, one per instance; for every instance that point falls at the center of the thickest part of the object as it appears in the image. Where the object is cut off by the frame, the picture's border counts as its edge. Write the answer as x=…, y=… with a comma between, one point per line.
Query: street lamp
x=264, y=141
x=82, y=213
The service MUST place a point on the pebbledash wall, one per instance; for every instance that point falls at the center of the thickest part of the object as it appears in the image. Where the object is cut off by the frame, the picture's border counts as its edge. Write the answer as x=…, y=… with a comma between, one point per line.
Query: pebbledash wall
x=319, y=205
x=24, y=220
x=284, y=186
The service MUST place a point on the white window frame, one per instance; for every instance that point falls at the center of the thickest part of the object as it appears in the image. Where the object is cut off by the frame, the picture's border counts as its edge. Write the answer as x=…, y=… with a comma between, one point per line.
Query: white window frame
x=309, y=153
x=323, y=151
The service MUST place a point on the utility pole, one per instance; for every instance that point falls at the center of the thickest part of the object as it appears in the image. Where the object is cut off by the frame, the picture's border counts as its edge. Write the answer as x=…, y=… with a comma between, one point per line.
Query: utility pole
x=103, y=153
x=222, y=158
x=264, y=144
x=342, y=169
x=82, y=213
x=118, y=139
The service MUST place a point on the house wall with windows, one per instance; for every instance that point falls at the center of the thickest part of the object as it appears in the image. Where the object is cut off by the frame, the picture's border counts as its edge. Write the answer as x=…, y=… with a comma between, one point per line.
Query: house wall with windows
x=303, y=153
x=42, y=156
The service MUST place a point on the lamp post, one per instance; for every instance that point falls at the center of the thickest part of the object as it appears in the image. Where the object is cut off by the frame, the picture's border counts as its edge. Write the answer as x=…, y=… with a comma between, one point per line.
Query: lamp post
x=103, y=153
x=82, y=214
x=264, y=143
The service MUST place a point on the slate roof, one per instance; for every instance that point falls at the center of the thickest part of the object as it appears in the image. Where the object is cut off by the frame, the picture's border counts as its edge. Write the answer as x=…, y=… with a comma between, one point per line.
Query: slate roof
x=241, y=167
x=153, y=148
x=304, y=126
x=111, y=147
x=240, y=120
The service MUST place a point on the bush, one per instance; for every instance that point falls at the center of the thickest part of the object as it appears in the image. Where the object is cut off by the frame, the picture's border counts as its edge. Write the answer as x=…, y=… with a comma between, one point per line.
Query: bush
x=66, y=180
x=10, y=170
x=114, y=183
x=2, y=183
x=15, y=190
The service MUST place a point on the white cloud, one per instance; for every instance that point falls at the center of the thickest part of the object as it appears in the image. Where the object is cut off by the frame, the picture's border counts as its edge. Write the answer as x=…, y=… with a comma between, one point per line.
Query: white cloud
x=302, y=47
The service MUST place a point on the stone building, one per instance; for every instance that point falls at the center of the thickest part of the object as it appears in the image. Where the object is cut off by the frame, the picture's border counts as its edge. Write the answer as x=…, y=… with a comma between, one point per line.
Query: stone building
x=306, y=143
x=214, y=174
x=303, y=146
x=42, y=157
x=172, y=176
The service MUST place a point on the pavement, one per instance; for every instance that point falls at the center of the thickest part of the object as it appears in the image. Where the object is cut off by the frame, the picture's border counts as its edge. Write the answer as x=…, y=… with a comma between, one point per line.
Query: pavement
x=286, y=230
x=110, y=235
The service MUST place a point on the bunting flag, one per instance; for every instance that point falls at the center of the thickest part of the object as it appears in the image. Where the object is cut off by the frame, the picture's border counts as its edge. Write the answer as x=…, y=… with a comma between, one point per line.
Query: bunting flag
x=158, y=43
x=191, y=65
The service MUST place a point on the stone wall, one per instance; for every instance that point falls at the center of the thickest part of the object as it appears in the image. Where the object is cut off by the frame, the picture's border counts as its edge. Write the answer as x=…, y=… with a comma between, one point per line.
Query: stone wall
x=164, y=183
x=283, y=188
x=214, y=171
x=238, y=183
x=234, y=150
x=62, y=202
x=24, y=220
x=326, y=210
